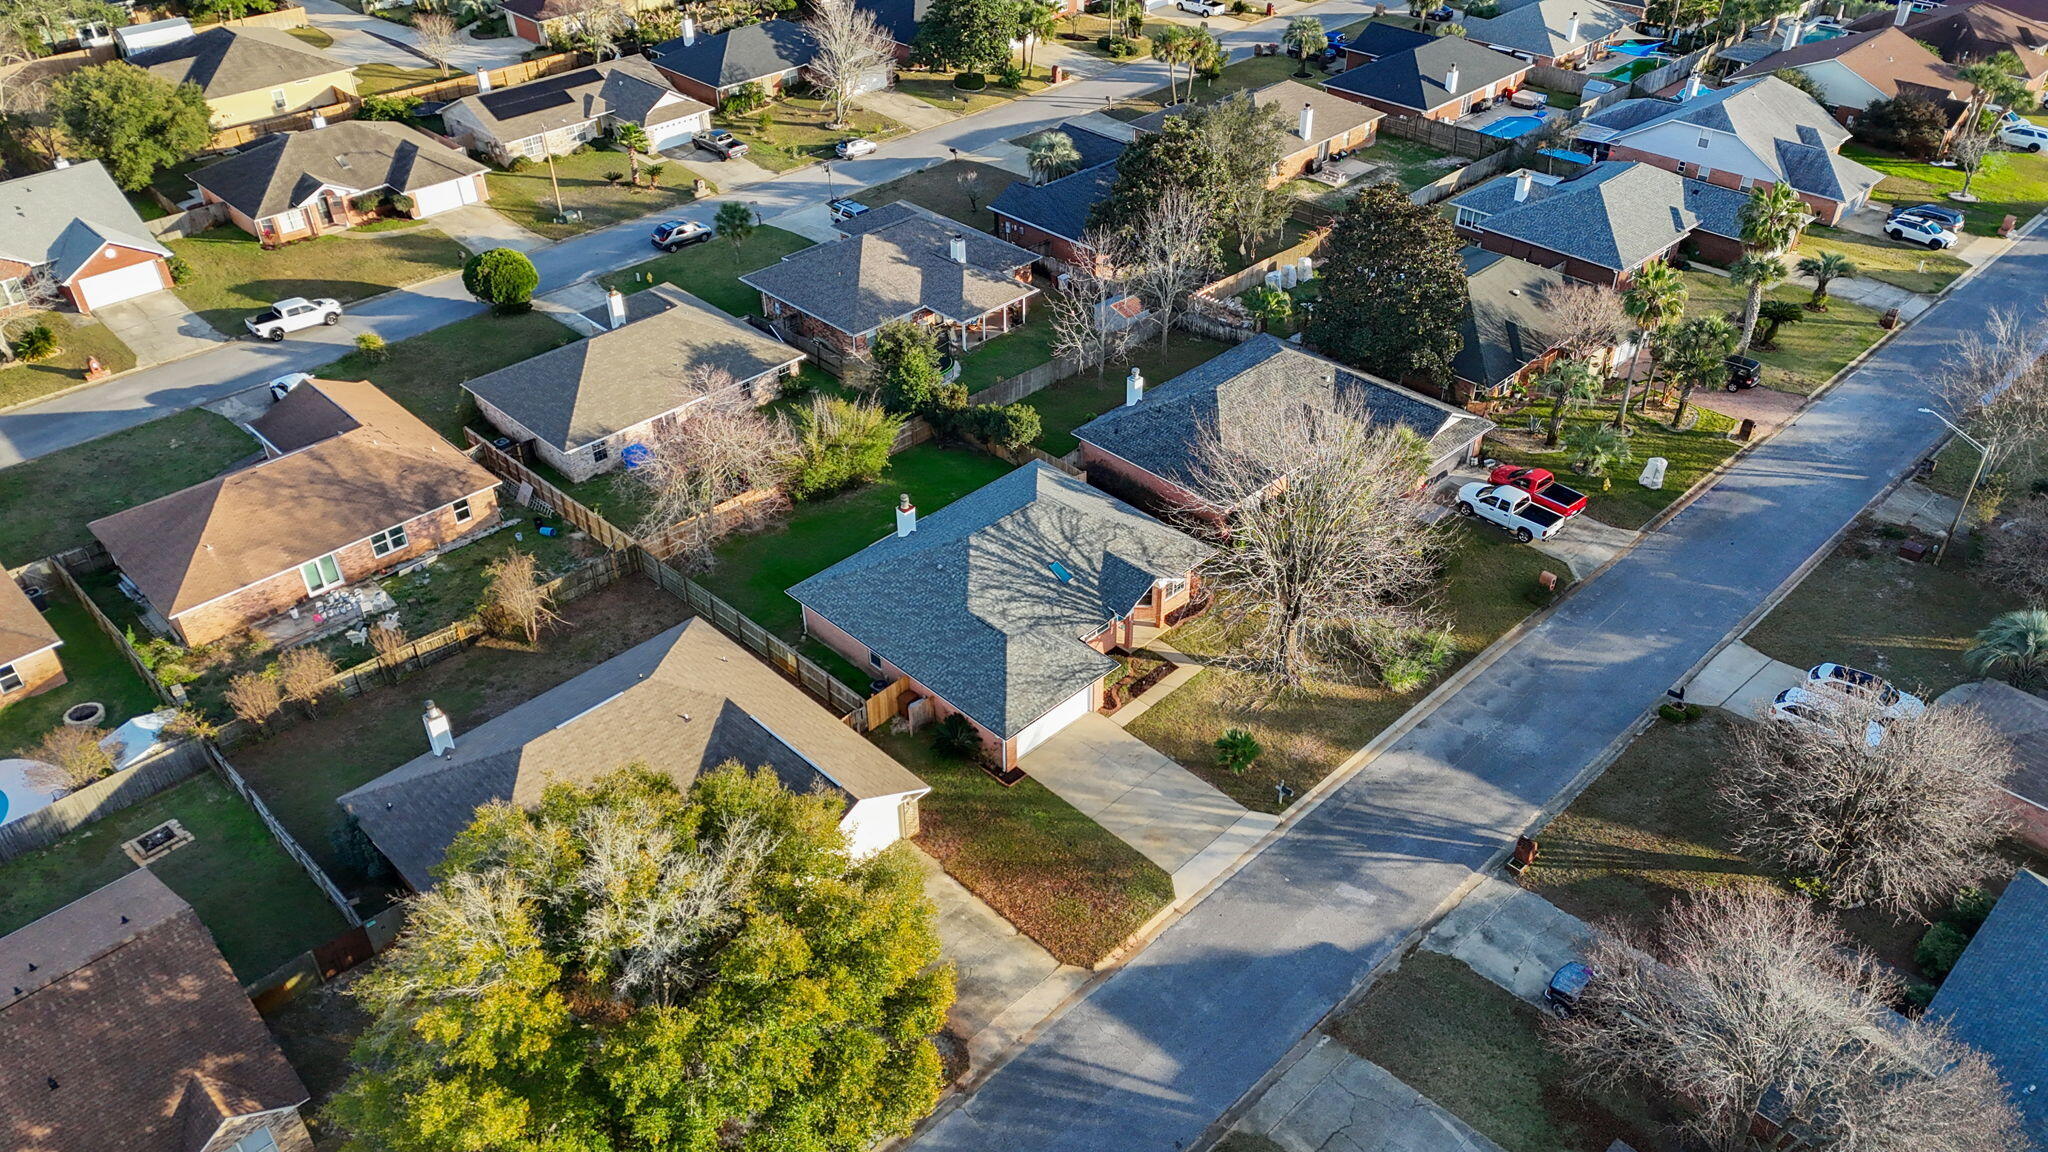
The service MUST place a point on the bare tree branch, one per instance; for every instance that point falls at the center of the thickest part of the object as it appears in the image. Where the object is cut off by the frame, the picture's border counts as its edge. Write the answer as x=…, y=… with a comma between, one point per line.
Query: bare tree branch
x=703, y=460
x=1996, y=385
x=1585, y=318
x=1168, y=253
x=1084, y=328
x=437, y=37
x=851, y=49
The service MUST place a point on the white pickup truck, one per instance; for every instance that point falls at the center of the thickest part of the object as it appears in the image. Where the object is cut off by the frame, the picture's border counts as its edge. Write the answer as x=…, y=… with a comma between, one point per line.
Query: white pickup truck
x=1511, y=508
x=291, y=315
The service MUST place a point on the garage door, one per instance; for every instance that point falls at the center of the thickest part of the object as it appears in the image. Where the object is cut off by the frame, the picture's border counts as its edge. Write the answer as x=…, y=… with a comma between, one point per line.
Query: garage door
x=1046, y=728
x=442, y=197
x=120, y=284
x=674, y=134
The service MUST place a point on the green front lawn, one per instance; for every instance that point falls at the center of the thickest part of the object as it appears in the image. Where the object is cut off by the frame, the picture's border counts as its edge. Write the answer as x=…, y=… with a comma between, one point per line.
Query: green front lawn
x=311, y=35
x=234, y=277
x=1306, y=737
x=260, y=906
x=1627, y=504
x=94, y=670
x=78, y=338
x=377, y=79
x=956, y=189
x=711, y=271
x=426, y=372
x=527, y=197
x=1907, y=266
x=1809, y=353
x=1078, y=399
x=49, y=500
x=939, y=92
x=799, y=132
x=1061, y=878
x=2010, y=183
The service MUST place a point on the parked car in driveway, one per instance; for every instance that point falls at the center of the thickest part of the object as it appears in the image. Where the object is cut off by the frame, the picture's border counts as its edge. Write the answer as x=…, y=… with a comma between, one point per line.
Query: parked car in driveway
x=2023, y=137
x=1868, y=686
x=291, y=315
x=858, y=146
x=283, y=385
x=726, y=145
x=1920, y=230
x=1743, y=373
x=673, y=234
x=1817, y=710
x=1511, y=509
x=1542, y=487
x=1201, y=7
x=1939, y=213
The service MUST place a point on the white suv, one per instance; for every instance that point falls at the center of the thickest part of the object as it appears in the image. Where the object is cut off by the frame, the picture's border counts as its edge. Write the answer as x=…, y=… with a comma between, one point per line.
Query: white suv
x=2024, y=136
x=1917, y=230
x=291, y=315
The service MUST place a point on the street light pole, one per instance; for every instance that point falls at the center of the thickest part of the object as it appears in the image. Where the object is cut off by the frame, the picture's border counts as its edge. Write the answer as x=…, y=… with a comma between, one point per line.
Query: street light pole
x=1970, y=493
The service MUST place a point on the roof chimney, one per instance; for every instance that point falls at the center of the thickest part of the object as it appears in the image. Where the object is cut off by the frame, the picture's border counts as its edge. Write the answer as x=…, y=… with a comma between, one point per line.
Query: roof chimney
x=1902, y=13
x=1692, y=87
x=1451, y=79
x=319, y=121
x=1524, y=180
x=1134, y=387
x=689, y=31
x=62, y=162
x=906, y=515
x=956, y=248
x=1790, y=39
x=615, y=308
x=1308, y=122
x=1571, y=34
x=483, y=79
x=440, y=733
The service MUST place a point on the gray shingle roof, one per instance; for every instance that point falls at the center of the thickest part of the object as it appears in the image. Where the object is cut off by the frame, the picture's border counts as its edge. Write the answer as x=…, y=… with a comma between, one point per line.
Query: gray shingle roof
x=1543, y=27
x=628, y=88
x=969, y=604
x=1996, y=998
x=224, y=61
x=63, y=216
x=738, y=55
x=1376, y=39
x=1781, y=125
x=1615, y=214
x=280, y=172
x=684, y=702
x=1333, y=115
x=583, y=392
x=895, y=263
x=1415, y=79
x=1161, y=433
x=1505, y=323
x=1061, y=206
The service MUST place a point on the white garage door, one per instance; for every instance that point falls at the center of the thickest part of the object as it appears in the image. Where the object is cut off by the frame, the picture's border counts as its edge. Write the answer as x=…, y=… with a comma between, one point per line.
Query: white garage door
x=674, y=134
x=442, y=197
x=1053, y=721
x=120, y=284
x=874, y=81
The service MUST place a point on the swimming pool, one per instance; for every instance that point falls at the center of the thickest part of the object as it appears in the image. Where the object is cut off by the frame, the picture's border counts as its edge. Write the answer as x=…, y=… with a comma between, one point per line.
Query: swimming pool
x=1639, y=48
x=1509, y=127
x=1820, y=32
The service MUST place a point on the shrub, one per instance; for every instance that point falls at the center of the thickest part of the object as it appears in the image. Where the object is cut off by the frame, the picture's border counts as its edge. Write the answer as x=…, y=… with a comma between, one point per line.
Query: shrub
x=614, y=176
x=746, y=98
x=955, y=736
x=1007, y=426
x=387, y=107
x=1911, y=126
x=355, y=851
x=970, y=81
x=69, y=758
x=501, y=277
x=38, y=343
x=372, y=347
x=1971, y=906
x=1237, y=750
x=1118, y=47
x=839, y=443
x=518, y=164
x=302, y=675
x=1419, y=658
x=1010, y=77
x=254, y=697
x=1679, y=713
x=1939, y=949
x=181, y=269
x=400, y=203
x=164, y=659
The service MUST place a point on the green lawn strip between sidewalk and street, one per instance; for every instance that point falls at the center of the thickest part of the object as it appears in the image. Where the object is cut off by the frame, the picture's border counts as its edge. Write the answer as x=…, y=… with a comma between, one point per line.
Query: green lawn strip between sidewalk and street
x=234, y=277
x=2009, y=184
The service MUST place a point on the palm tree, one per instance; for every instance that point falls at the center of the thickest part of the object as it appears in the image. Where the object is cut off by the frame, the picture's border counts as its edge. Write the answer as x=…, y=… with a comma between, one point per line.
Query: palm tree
x=1567, y=383
x=1997, y=81
x=1599, y=450
x=1655, y=300
x=1825, y=268
x=633, y=138
x=1775, y=314
x=735, y=222
x=1039, y=22
x=1170, y=47
x=1696, y=352
x=1772, y=219
x=2016, y=644
x=1759, y=274
x=1053, y=155
x=1305, y=36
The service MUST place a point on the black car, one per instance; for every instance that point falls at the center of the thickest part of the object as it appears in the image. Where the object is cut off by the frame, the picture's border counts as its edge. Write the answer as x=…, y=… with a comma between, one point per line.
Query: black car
x=1945, y=216
x=1743, y=373
x=673, y=234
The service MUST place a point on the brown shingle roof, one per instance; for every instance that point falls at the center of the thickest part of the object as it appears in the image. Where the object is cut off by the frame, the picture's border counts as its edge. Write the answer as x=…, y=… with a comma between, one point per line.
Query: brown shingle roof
x=380, y=467
x=136, y=1017
x=22, y=629
x=1888, y=59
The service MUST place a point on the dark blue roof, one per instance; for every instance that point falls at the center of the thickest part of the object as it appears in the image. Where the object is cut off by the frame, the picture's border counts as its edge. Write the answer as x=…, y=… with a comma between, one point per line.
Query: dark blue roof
x=1996, y=999
x=898, y=18
x=1415, y=78
x=1062, y=206
x=1377, y=39
x=737, y=55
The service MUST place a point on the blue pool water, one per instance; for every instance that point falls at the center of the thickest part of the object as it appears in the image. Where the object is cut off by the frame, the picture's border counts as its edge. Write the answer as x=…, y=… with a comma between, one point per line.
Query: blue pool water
x=1512, y=126
x=1638, y=48
x=1822, y=32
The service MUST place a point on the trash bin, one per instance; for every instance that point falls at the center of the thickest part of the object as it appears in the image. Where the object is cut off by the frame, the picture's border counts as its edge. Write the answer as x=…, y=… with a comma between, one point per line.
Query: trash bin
x=1746, y=430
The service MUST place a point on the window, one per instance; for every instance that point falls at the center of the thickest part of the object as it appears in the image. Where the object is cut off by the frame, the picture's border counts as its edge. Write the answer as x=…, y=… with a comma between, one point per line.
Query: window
x=320, y=575
x=292, y=221
x=388, y=541
x=13, y=291
x=10, y=680
x=277, y=99
x=462, y=512
x=1467, y=218
x=874, y=661
x=258, y=1141
x=601, y=453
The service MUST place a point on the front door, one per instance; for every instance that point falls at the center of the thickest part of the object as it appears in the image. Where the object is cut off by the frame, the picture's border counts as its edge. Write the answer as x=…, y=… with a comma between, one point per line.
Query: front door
x=326, y=211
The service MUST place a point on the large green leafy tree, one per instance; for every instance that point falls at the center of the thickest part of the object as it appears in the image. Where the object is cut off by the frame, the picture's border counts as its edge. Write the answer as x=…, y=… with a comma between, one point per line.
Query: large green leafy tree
x=134, y=122
x=1222, y=151
x=969, y=35
x=1176, y=156
x=1393, y=290
x=908, y=370
x=625, y=967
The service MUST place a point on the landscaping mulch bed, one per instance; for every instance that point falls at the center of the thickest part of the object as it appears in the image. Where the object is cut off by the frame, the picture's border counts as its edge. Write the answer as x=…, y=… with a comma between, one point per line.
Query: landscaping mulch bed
x=1149, y=673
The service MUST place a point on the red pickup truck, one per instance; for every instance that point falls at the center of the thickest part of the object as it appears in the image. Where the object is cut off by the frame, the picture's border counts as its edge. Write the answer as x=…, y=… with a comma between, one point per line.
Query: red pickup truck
x=1542, y=488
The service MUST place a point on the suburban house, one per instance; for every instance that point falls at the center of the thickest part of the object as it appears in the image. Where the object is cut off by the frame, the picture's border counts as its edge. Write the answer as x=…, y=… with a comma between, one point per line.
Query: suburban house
x=544, y=21
x=1555, y=33
x=1602, y=222
x=1004, y=605
x=1318, y=125
x=295, y=185
x=2022, y=717
x=711, y=68
x=898, y=262
x=1506, y=326
x=899, y=20
x=1051, y=219
x=124, y=1028
x=1856, y=70
x=251, y=74
x=1756, y=131
x=553, y=116
x=584, y=406
x=1993, y=998
x=72, y=228
x=681, y=704
x=1440, y=80
x=351, y=485
x=1148, y=451
x=28, y=647
x=1970, y=31
x=1375, y=40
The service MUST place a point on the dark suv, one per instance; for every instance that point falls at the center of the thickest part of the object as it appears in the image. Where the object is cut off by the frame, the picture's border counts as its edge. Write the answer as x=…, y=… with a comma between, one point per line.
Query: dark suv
x=1743, y=373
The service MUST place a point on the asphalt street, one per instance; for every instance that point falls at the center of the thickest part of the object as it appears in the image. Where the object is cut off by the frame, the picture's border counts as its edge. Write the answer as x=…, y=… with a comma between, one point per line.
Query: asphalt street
x=1161, y=1048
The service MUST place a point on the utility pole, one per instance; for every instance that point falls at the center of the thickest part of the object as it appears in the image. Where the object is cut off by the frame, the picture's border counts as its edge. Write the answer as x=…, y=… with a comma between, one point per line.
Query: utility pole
x=1970, y=493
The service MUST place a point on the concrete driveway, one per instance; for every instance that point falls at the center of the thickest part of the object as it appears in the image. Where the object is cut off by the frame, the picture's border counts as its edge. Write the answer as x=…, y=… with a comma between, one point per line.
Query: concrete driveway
x=1742, y=680
x=1334, y=1101
x=1175, y=818
x=1005, y=982
x=480, y=226
x=1514, y=938
x=360, y=38
x=158, y=327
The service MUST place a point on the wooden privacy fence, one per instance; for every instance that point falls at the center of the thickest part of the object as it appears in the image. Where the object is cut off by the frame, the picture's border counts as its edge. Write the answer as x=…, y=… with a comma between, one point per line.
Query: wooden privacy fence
x=743, y=509
x=1436, y=134
x=284, y=839
x=46, y=826
x=1254, y=275
x=115, y=635
x=609, y=536
x=1459, y=179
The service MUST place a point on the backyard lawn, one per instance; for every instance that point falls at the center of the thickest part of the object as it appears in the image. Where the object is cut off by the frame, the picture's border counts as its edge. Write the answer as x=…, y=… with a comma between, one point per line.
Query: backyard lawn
x=1074, y=401
x=375, y=79
x=1306, y=737
x=1907, y=266
x=527, y=197
x=957, y=189
x=78, y=338
x=1626, y=504
x=234, y=277
x=311, y=35
x=261, y=907
x=425, y=373
x=711, y=271
x=939, y=92
x=94, y=669
x=2010, y=183
x=1809, y=353
x=450, y=588
x=799, y=131
x=49, y=500
x=1060, y=877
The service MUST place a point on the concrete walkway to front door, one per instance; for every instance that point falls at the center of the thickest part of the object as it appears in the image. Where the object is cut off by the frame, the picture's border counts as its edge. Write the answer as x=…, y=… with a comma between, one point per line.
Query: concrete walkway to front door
x=1163, y=810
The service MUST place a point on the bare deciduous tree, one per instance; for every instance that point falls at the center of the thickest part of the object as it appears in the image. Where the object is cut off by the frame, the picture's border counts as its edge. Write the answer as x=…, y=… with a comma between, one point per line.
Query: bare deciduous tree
x=1167, y=253
x=1084, y=327
x=2016, y=551
x=437, y=38
x=701, y=462
x=389, y=645
x=1899, y=824
x=1996, y=385
x=1585, y=318
x=1326, y=538
x=38, y=294
x=851, y=49
x=302, y=675
x=1744, y=997
x=25, y=95
x=516, y=603
x=254, y=697
x=67, y=759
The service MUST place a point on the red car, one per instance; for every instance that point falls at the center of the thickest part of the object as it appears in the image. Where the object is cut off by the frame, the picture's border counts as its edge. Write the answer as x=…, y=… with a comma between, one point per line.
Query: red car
x=1542, y=488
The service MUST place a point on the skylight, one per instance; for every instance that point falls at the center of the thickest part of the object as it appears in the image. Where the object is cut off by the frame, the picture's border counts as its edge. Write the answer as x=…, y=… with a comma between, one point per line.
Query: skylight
x=1061, y=573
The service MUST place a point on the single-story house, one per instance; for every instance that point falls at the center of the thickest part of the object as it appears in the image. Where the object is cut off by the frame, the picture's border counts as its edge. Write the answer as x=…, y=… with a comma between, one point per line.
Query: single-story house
x=583, y=405
x=1554, y=33
x=711, y=68
x=1506, y=325
x=545, y=21
x=1051, y=219
x=351, y=485
x=1603, y=222
x=899, y=20
x=28, y=648
x=1996, y=998
x=1756, y=131
x=1375, y=40
x=2022, y=717
x=681, y=704
x=72, y=226
x=553, y=116
x=295, y=185
x=1318, y=124
x=1439, y=80
x=1854, y=71
x=251, y=74
x=125, y=1028
x=1148, y=451
x=898, y=262
x=1003, y=606
x=1970, y=31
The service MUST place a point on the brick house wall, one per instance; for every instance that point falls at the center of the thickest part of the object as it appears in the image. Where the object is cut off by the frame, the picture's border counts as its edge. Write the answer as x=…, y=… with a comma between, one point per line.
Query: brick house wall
x=286, y=1127
x=1826, y=211
x=809, y=326
x=583, y=463
x=1059, y=252
x=1295, y=163
x=2032, y=820
x=700, y=91
x=100, y=264
x=269, y=597
x=275, y=230
x=39, y=672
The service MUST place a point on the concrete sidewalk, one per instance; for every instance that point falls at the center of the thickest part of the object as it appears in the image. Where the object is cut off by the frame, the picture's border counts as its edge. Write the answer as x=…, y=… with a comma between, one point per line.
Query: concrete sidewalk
x=1333, y=1101
x=1514, y=938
